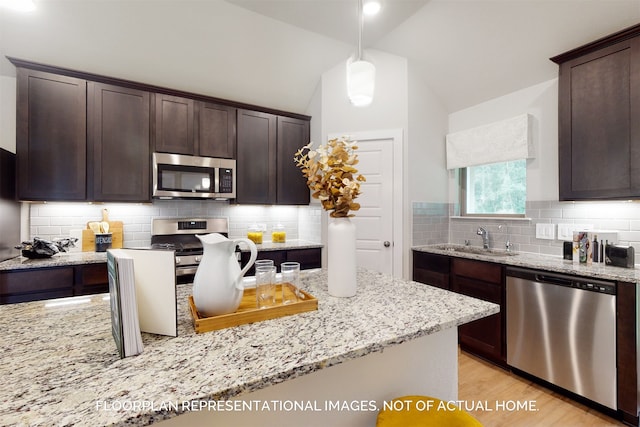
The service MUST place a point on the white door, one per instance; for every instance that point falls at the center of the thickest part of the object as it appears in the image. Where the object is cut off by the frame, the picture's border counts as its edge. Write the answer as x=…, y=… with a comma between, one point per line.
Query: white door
x=374, y=220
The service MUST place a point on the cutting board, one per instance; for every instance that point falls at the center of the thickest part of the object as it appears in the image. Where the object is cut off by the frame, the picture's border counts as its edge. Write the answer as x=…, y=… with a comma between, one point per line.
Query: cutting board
x=115, y=228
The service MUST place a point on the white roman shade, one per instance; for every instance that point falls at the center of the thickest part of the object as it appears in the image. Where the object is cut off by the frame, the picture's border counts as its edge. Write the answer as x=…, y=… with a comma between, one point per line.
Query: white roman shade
x=493, y=143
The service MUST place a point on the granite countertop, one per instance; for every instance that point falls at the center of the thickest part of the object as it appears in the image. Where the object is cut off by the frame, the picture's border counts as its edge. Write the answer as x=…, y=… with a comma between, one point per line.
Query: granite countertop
x=58, y=260
x=75, y=258
x=540, y=262
x=288, y=244
x=63, y=366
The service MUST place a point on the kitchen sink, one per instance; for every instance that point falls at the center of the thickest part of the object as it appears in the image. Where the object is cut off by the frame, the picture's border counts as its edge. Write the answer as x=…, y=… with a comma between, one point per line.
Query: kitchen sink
x=474, y=250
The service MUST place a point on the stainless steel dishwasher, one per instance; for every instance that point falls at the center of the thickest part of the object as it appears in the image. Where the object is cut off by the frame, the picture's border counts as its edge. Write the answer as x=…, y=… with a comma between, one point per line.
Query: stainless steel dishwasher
x=562, y=329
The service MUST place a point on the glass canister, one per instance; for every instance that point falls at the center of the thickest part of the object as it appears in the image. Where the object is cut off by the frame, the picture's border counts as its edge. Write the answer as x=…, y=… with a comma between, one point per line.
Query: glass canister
x=278, y=235
x=255, y=234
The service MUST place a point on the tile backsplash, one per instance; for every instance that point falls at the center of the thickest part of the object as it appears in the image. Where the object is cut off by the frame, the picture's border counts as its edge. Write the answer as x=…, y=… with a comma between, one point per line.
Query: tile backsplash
x=432, y=225
x=50, y=220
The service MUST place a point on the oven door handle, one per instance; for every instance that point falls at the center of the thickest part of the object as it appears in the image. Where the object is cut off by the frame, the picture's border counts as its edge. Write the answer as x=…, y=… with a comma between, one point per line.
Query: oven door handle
x=183, y=271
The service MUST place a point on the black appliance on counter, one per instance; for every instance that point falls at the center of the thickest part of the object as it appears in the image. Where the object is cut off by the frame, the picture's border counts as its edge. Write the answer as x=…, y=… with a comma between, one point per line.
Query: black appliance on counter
x=9, y=207
x=179, y=234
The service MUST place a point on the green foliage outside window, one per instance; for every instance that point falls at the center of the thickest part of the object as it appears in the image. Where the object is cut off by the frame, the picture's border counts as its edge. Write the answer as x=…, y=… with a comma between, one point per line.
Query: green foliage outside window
x=496, y=189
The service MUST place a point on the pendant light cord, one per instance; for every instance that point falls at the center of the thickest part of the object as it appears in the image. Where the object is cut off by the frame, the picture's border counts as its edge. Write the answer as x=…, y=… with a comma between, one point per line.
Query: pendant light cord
x=360, y=25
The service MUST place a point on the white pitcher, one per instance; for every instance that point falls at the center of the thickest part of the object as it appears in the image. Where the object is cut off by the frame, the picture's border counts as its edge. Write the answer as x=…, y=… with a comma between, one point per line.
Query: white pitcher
x=217, y=285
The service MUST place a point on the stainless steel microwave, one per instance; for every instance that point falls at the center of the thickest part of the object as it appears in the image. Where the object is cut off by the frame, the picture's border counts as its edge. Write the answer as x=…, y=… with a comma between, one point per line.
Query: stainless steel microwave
x=177, y=176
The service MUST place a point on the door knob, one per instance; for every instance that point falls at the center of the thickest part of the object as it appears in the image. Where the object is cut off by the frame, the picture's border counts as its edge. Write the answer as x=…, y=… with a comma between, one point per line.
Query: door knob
x=387, y=243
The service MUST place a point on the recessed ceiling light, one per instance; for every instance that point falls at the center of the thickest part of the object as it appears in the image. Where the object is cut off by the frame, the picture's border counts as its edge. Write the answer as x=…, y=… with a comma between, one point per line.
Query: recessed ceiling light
x=371, y=7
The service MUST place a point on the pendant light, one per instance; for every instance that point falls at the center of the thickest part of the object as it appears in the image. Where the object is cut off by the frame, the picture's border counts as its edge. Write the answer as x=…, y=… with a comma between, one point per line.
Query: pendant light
x=361, y=74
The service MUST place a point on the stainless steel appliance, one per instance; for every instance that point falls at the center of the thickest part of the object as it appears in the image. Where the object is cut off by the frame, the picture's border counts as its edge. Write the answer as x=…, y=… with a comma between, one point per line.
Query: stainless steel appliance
x=562, y=329
x=179, y=234
x=180, y=176
x=9, y=207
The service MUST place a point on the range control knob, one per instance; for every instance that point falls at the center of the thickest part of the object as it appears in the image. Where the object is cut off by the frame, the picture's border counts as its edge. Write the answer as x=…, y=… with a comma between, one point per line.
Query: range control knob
x=178, y=260
x=198, y=259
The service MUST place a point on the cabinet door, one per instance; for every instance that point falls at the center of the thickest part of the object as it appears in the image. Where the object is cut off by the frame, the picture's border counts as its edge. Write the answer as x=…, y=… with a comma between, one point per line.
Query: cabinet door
x=292, y=188
x=431, y=269
x=36, y=284
x=91, y=279
x=599, y=133
x=118, y=122
x=256, y=158
x=51, y=132
x=278, y=257
x=308, y=258
x=174, y=124
x=216, y=130
x=482, y=280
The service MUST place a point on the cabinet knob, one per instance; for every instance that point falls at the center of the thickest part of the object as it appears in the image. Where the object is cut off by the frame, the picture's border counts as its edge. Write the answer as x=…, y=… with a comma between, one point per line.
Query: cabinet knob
x=387, y=243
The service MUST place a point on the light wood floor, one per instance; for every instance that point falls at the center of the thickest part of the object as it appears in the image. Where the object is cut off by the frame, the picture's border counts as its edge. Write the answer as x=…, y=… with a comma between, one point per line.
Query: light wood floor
x=479, y=381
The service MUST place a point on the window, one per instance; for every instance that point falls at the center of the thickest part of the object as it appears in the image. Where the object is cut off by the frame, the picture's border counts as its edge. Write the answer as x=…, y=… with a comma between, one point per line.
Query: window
x=496, y=189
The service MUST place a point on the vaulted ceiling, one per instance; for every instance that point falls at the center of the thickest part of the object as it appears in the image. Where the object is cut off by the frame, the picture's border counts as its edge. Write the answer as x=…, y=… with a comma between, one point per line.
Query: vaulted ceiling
x=273, y=52
x=468, y=51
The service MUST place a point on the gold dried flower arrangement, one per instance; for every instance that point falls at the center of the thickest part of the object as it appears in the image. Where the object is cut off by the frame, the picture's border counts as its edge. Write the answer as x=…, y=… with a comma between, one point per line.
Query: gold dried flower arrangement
x=331, y=175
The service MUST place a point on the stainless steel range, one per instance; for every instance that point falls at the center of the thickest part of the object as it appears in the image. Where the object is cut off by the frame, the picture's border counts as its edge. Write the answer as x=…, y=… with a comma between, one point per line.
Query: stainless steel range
x=179, y=234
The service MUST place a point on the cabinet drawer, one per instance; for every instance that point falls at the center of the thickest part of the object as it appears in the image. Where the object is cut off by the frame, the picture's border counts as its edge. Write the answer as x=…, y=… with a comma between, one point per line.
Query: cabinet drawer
x=480, y=270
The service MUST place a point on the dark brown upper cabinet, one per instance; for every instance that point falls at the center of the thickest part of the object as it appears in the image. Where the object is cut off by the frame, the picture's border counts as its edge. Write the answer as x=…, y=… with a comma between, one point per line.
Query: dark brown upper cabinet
x=266, y=146
x=118, y=143
x=51, y=133
x=216, y=130
x=291, y=188
x=256, y=158
x=83, y=136
x=174, y=120
x=196, y=128
x=598, y=111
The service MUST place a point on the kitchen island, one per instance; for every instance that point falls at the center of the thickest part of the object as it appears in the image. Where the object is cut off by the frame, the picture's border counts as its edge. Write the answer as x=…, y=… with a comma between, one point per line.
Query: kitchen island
x=63, y=367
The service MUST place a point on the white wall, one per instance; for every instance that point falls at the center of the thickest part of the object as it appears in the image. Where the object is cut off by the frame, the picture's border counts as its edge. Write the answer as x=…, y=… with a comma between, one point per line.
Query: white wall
x=8, y=113
x=426, y=151
x=541, y=101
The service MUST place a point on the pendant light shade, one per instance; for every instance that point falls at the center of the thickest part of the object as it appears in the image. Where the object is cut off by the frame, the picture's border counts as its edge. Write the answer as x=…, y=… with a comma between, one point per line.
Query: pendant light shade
x=361, y=80
x=361, y=74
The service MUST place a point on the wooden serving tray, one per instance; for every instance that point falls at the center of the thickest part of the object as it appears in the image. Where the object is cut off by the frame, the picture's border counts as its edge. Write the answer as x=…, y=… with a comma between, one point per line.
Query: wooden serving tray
x=248, y=312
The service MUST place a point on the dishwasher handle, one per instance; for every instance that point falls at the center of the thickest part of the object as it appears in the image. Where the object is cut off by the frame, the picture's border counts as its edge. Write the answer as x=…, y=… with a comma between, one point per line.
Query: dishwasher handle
x=554, y=280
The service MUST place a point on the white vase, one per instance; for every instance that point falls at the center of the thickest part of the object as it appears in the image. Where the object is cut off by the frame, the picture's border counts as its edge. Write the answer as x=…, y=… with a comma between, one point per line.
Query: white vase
x=341, y=257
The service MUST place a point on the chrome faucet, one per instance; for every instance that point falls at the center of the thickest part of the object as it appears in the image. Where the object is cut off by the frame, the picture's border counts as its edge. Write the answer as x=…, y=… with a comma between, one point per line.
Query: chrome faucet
x=507, y=242
x=485, y=237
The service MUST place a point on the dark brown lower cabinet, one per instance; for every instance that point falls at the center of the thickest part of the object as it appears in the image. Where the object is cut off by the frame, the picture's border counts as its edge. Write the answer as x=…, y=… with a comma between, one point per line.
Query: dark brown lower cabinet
x=36, y=284
x=627, y=351
x=55, y=282
x=90, y=279
x=432, y=269
x=307, y=257
x=485, y=281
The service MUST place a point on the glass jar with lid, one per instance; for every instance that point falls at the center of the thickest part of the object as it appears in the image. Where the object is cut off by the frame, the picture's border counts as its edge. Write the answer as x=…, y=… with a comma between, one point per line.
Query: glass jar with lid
x=278, y=234
x=254, y=233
